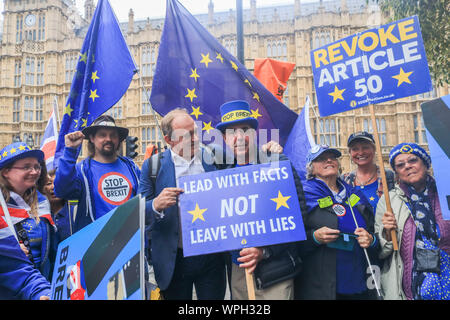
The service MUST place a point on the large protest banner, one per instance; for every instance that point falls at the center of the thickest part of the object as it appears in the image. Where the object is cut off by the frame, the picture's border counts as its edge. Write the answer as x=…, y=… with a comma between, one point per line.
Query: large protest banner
x=377, y=65
x=104, y=260
x=248, y=206
x=436, y=117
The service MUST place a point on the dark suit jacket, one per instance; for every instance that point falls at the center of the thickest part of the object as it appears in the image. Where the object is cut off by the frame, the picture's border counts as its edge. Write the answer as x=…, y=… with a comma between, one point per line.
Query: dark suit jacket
x=165, y=231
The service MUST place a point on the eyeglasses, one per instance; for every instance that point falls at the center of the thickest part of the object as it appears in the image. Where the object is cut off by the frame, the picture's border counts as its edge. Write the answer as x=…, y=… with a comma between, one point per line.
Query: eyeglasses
x=36, y=168
x=401, y=165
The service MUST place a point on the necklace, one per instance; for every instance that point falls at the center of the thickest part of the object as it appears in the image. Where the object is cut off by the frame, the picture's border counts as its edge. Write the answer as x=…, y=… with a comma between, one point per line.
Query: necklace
x=363, y=184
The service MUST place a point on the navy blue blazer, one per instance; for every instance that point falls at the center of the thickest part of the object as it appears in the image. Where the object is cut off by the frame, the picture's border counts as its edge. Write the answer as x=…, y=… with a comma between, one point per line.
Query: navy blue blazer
x=165, y=231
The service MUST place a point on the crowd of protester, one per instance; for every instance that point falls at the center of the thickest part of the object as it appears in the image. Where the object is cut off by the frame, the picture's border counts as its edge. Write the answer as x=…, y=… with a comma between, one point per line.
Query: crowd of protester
x=348, y=253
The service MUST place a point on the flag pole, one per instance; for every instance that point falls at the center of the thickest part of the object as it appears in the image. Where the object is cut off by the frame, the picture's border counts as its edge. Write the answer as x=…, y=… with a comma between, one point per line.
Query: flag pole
x=250, y=285
x=372, y=273
x=383, y=173
x=321, y=131
x=160, y=132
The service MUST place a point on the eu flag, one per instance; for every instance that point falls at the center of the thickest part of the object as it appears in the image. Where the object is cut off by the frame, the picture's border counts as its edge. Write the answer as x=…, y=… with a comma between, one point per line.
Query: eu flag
x=104, y=72
x=196, y=72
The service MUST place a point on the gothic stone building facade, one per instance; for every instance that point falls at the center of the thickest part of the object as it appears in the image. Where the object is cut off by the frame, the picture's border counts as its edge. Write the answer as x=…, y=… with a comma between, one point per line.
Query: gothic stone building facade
x=41, y=39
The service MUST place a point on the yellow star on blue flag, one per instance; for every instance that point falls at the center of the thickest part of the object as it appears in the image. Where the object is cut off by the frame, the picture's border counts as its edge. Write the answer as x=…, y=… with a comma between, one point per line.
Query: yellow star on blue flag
x=197, y=213
x=402, y=77
x=281, y=201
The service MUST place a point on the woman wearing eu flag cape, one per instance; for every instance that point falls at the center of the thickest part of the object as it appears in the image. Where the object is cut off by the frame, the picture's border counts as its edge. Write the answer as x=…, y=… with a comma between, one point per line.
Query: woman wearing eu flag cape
x=339, y=224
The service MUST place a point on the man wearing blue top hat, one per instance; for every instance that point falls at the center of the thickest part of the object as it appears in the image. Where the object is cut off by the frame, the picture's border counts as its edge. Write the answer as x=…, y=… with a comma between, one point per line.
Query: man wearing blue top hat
x=281, y=262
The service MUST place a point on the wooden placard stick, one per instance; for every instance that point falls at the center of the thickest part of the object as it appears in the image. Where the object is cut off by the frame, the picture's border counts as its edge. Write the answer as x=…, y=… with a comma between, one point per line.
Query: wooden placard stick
x=383, y=173
x=250, y=285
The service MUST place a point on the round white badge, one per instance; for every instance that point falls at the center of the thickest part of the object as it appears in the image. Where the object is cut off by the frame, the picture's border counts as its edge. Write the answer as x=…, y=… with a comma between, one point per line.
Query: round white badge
x=115, y=188
x=339, y=210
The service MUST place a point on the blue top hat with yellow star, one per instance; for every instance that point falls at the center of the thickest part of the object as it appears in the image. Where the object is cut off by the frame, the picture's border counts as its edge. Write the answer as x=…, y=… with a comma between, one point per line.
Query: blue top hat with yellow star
x=17, y=151
x=233, y=112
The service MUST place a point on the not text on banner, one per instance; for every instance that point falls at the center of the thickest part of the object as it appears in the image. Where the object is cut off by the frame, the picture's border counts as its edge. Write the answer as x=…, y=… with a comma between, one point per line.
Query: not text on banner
x=377, y=65
x=249, y=206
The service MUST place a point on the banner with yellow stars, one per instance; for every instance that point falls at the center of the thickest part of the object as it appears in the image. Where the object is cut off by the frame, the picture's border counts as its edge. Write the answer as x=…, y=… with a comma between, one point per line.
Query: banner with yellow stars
x=105, y=69
x=436, y=117
x=249, y=206
x=377, y=65
x=196, y=72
